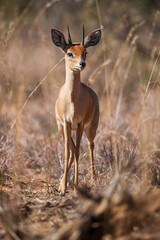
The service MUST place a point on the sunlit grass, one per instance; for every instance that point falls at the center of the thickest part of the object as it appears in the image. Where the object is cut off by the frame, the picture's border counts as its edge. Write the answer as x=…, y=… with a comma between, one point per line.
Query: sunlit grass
x=123, y=70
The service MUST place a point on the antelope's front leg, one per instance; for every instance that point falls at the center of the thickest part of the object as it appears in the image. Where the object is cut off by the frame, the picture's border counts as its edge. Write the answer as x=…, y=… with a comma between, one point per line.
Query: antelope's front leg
x=78, y=141
x=67, y=138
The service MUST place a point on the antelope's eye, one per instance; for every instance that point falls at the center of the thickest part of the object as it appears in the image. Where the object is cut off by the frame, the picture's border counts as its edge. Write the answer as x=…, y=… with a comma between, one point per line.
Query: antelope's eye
x=69, y=54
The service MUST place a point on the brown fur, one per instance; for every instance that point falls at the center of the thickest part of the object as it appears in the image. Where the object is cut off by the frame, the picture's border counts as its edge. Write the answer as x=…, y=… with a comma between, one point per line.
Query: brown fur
x=77, y=107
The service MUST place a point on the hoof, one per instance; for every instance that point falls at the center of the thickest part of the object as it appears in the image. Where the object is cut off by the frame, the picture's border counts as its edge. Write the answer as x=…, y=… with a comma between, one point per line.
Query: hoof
x=62, y=191
x=61, y=194
x=62, y=187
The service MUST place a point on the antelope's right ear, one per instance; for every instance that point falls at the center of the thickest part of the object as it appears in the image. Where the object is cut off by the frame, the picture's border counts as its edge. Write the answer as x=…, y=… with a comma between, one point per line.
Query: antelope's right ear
x=59, y=39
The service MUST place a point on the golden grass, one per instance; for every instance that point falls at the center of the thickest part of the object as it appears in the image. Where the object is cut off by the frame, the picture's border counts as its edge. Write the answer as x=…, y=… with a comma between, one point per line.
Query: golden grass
x=127, y=149
x=146, y=92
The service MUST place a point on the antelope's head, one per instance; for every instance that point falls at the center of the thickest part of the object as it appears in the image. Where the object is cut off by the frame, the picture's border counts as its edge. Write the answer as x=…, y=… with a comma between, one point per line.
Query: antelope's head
x=75, y=53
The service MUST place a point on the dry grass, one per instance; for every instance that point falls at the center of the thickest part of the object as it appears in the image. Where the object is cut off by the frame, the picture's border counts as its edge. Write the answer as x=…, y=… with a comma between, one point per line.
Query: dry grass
x=116, y=215
x=123, y=203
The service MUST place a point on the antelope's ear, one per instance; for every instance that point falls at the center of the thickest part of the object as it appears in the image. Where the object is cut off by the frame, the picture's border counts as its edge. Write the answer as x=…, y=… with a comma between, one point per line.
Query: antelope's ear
x=59, y=39
x=93, y=38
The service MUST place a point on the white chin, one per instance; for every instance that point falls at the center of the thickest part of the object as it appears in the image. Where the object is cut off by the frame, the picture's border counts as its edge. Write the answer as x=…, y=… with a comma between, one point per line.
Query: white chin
x=76, y=69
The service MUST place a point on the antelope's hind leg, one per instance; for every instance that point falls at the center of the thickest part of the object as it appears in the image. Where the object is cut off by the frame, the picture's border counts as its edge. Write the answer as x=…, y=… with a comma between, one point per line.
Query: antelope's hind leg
x=91, y=149
x=90, y=133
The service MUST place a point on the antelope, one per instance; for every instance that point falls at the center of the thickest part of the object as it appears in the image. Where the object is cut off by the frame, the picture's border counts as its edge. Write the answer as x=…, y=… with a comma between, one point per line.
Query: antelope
x=77, y=106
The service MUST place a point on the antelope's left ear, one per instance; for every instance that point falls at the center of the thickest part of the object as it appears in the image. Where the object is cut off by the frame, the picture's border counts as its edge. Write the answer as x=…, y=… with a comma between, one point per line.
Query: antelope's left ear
x=93, y=38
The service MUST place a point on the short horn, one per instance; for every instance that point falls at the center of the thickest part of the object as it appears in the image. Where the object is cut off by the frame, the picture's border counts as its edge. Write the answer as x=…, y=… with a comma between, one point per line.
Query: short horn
x=82, y=35
x=69, y=36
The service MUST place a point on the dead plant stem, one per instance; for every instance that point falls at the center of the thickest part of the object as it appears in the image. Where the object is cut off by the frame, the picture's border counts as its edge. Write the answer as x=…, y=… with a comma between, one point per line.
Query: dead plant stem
x=34, y=90
x=145, y=95
x=105, y=59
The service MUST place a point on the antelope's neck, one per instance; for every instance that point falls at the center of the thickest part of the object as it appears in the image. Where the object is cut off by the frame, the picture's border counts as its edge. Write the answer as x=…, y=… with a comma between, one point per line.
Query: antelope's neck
x=73, y=84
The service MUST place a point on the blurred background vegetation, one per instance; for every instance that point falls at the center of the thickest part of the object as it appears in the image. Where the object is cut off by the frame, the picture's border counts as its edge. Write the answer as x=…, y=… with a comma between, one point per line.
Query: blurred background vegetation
x=124, y=71
x=27, y=52
x=119, y=69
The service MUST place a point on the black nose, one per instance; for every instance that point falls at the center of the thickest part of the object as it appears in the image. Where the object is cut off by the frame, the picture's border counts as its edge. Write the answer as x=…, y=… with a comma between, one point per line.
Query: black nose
x=83, y=64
